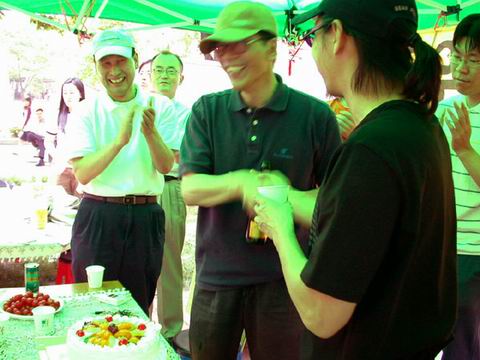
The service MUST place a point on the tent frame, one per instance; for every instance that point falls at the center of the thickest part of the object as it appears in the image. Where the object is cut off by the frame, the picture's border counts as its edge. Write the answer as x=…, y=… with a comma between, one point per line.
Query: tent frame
x=186, y=21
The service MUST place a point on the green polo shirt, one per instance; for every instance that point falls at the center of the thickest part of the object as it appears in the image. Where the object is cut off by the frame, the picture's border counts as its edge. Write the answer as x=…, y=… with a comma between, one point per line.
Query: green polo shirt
x=296, y=133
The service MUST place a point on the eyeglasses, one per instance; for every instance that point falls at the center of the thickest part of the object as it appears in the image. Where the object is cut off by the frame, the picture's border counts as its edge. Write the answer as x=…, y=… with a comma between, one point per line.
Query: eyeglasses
x=457, y=59
x=309, y=35
x=170, y=71
x=235, y=48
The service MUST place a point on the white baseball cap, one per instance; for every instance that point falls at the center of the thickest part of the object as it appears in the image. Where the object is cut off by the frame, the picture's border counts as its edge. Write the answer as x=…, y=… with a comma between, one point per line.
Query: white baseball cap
x=113, y=42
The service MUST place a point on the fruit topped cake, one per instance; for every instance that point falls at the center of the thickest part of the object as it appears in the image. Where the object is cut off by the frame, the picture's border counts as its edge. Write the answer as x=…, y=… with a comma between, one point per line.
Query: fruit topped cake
x=119, y=337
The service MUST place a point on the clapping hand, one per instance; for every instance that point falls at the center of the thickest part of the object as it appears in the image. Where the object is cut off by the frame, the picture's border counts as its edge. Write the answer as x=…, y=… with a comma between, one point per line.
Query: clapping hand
x=459, y=125
x=148, y=122
x=126, y=128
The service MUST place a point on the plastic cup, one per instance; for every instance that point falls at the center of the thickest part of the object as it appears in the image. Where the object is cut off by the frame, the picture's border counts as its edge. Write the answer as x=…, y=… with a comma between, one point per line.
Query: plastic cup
x=41, y=218
x=277, y=193
x=43, y=319
x=95, y=276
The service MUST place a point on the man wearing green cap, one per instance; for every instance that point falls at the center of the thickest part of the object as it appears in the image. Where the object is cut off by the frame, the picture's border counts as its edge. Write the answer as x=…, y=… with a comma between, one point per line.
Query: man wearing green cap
x=119, y=156
x=379, y=279
x=231, y=136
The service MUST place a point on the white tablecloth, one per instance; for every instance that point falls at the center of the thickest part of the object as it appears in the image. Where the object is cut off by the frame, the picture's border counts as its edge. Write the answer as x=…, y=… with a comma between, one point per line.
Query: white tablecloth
x=19, y=237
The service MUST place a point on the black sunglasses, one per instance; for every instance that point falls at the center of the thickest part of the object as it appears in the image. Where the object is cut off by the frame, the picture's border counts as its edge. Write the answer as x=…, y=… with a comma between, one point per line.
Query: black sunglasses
x=309, y=35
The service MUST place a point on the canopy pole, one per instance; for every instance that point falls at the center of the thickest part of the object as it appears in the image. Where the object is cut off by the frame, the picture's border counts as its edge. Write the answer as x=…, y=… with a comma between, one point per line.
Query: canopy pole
x=81, y=15
x=470, y=3
x=34, y=16
x=171, y=25
x=165, y=10
x=432, y=3
x=100, y=9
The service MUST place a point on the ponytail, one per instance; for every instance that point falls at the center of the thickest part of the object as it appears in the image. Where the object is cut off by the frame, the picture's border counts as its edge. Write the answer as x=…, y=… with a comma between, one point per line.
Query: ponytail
x=422, y=82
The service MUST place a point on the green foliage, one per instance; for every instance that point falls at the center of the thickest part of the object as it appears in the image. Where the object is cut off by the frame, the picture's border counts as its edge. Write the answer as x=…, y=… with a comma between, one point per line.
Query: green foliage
x=40, y=25
x=15, y=131
x=15, y=180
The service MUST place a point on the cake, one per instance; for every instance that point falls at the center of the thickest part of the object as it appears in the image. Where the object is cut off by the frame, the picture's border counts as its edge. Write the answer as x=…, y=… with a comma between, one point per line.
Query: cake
x=114, y=337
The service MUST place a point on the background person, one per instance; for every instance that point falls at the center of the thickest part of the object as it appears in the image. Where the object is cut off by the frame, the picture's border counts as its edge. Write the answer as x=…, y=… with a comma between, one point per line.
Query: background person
x=145, y=75
x=346, y=123
x=27, y=110
x=167, y=75
x=239, y=286
x=34, y=132
x=72, y=93
x=462, y=127
x=380, y=278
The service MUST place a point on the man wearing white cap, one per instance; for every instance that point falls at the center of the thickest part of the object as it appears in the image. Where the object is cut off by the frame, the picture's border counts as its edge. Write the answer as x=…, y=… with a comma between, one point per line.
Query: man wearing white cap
x=119, y=156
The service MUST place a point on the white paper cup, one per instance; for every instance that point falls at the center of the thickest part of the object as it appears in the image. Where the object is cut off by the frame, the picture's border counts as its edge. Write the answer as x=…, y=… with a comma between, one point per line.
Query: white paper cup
x=95, y=276
x=277, y=193
x=43, y=319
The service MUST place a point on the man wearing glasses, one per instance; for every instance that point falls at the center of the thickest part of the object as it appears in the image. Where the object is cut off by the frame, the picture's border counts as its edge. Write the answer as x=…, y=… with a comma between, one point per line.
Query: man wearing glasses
x=461, y=115
x=167, y=75
x=229, y=136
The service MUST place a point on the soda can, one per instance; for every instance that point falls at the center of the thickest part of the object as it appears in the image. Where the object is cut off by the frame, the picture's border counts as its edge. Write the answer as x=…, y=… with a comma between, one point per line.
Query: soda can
x=32, y=281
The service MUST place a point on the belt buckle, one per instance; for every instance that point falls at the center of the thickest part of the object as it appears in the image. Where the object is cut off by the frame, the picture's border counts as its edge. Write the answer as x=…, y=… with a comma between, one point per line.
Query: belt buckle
x=129, y=200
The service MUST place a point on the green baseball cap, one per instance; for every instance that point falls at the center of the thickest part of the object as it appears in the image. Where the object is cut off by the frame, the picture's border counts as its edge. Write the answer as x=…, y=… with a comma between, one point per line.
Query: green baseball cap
x=238, y=21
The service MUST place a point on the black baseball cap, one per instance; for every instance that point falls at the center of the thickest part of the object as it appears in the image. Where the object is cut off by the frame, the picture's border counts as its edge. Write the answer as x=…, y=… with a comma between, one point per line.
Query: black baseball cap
x=370, y=17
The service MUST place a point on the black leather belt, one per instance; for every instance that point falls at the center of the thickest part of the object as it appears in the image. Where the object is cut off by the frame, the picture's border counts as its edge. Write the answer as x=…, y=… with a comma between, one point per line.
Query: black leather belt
x=125, y=200
x=170, y=178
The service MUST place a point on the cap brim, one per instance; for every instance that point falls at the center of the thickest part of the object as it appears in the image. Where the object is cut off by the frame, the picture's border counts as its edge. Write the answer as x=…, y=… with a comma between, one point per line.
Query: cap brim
x=208, y=44
x=113, y=50
x=307, y=15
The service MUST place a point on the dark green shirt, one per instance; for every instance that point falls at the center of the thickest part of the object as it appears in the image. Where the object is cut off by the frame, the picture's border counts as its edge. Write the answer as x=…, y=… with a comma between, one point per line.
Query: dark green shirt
x=296, y=133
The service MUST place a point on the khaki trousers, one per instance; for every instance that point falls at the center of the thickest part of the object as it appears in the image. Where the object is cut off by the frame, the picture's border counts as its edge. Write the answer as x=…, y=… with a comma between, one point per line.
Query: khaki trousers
x=170, y=282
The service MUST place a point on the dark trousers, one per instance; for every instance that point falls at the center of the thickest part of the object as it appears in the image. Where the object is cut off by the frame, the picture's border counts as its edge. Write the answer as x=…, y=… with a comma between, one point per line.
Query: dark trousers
x=126, y=239
x=266, y=312
x=466, y=343
x=36, y=140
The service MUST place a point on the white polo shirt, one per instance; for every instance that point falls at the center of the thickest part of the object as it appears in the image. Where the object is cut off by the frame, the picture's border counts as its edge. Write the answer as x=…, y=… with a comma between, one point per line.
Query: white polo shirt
x=97, y=124
x=173, y=132
x=467, y=192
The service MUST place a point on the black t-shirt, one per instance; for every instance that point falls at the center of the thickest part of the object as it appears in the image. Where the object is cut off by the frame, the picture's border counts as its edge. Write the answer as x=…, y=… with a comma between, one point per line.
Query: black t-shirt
x=383, y=237
x=296, y=133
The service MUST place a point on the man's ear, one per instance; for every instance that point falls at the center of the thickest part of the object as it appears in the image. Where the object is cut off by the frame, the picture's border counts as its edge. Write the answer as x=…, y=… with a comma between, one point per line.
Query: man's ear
x=135, y=59
x=95, y=64
x=181, y=79
x=272, y=49
x=339, y=36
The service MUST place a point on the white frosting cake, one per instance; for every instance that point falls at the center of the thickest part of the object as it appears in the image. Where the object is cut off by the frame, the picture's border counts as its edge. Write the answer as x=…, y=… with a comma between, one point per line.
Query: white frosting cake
x=117, y=337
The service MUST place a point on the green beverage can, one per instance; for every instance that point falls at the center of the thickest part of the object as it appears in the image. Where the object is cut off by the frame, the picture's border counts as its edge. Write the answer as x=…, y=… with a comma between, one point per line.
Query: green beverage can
x=32, y=281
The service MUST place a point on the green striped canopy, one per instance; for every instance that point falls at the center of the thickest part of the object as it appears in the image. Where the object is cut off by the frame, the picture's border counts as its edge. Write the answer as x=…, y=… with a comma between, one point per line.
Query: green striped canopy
x=200, y=14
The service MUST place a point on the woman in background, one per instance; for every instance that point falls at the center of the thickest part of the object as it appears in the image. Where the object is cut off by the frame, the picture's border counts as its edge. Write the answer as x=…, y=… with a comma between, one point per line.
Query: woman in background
x=73, y=91
x=144, y=75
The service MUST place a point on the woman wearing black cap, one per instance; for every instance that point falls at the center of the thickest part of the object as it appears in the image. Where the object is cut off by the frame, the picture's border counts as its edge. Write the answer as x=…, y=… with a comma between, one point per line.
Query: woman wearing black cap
x=379, y=279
